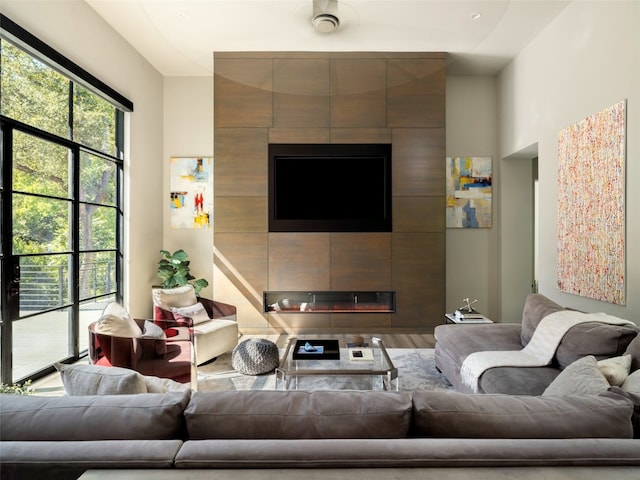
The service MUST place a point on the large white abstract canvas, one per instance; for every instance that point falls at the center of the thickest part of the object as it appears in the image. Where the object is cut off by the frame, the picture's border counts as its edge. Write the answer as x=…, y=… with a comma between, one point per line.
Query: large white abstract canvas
x=591, y=206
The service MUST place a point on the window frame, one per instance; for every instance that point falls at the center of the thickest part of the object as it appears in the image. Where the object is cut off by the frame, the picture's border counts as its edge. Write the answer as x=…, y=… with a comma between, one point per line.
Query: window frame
x=22, y=39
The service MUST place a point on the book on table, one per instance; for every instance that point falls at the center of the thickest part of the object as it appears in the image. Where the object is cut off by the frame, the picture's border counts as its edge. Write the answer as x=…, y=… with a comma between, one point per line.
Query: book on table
x=472, y=315
x=360, y=354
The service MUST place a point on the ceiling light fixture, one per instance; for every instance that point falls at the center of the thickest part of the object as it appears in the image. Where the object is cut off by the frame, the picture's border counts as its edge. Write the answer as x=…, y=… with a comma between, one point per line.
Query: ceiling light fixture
x=475, y=15
x=325, y=15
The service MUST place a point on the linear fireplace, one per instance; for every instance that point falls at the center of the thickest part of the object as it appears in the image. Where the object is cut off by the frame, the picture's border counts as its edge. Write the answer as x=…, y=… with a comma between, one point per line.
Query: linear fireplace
x=329, y=302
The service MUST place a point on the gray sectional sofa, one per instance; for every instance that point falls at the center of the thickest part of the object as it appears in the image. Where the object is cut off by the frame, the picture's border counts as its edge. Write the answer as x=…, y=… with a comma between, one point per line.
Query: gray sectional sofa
x=454, y=342
x=61, y=437
x=521, y=420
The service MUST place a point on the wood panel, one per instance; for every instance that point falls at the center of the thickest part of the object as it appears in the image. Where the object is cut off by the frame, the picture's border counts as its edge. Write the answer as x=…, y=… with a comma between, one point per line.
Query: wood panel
x=416, y=93
x=281, y=97
x=241, y=267
x=418, y=214
x=240, y=214
x=363, y=323
x=244, y=258
x=360, y=261
x=358, y=93
x=295, y=322
x=419, y=273
x=360, y=135
x=240, y=166
x=301, y=92
x=419, y=161
x=299, y=261
x=243, y=93
x=299, y=135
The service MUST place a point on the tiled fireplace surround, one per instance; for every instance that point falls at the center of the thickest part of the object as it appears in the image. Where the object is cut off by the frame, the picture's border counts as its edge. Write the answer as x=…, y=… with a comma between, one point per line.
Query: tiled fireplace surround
x=346, y=97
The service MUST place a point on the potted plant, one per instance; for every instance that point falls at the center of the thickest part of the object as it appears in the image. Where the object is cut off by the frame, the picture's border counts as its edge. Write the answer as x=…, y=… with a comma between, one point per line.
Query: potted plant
x=174, y=271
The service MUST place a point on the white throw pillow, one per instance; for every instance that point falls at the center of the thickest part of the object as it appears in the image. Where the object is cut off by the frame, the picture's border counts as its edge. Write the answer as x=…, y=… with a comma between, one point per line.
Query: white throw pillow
x=164, y=385
x=115, y=321
x=615, y=369
x=582, y=377
x=166, y=298
x=632, y=383
x=196, y=312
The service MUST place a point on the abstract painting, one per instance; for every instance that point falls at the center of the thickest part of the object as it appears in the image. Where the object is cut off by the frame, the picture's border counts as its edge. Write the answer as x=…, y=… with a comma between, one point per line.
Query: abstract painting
x=191, y=192
x=469, y=192
x=591, y=206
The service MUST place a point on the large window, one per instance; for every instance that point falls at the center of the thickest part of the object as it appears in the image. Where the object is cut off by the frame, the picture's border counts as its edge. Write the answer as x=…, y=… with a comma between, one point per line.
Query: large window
x=61, y=191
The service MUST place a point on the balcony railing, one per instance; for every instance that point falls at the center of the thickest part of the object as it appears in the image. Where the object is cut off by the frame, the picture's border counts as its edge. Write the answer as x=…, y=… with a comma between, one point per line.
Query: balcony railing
x=44, y=286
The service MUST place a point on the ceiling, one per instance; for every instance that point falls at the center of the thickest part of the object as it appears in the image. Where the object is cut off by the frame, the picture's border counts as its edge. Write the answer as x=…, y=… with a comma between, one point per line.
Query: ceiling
x=178, y=37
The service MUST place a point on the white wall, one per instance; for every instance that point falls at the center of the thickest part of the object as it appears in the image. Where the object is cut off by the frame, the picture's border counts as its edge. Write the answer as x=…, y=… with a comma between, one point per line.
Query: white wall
x=76, y=31
x=585, y=61
x=188, y=132
x=472, y=254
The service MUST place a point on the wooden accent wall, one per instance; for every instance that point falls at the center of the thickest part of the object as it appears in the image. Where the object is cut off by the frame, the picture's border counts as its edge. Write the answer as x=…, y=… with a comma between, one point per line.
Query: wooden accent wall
x=354, y=97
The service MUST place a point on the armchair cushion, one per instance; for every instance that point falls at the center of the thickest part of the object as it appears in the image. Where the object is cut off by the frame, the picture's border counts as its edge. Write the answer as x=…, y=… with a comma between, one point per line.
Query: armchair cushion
x=167, y=298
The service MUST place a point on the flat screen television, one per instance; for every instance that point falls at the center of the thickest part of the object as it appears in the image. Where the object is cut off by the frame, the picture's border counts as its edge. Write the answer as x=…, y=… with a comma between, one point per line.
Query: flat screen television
x=330, y=188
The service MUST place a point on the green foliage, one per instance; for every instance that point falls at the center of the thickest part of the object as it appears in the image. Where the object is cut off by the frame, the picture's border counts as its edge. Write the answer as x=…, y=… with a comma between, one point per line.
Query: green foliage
x=174, y=271
x=42, y=182
x=17, y=389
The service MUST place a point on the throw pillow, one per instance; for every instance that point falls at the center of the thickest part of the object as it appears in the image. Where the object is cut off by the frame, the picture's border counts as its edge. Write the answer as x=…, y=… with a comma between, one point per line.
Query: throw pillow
x=632, y=383
x=615, y=369
x=174, y=297
x=116, y=322
x=153, y=332
x=98, y=380
x=582, y=377
x=164, y=385
x=196, y=312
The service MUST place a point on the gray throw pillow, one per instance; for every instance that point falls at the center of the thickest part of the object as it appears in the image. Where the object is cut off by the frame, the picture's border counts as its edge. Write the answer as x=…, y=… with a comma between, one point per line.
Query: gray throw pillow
x=98, y=380
x=582, y=377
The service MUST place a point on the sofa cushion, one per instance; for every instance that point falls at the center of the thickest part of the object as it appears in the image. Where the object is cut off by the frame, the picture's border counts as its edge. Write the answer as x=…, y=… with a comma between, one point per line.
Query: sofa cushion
x=462, y=340
x=145, y=416
x=98, y=380
x=582, y=377
x=536, y=307
x=298, y=414
x=598, y=339
x=633, y=349
x=517, y=380
x=459, y=415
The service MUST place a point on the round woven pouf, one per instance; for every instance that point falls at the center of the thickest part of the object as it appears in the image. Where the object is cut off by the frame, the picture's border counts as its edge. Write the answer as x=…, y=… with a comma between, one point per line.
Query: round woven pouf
x=255, y=356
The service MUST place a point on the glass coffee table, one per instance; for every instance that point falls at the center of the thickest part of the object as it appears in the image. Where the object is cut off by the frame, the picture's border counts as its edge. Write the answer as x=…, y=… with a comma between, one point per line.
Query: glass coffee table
x=328, y=365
